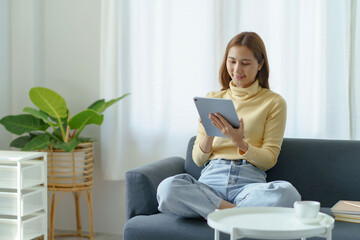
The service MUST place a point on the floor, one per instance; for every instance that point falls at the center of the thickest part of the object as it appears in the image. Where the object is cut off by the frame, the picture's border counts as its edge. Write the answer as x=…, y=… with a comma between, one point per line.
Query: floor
x=98, y=236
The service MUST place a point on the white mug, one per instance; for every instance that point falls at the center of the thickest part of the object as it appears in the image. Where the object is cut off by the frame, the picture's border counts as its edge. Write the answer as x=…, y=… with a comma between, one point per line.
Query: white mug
x=306, y=211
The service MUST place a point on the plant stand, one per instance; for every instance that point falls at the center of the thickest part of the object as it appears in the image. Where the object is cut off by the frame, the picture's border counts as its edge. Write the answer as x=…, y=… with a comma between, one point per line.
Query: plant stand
x=53, y=203
x=71, y=172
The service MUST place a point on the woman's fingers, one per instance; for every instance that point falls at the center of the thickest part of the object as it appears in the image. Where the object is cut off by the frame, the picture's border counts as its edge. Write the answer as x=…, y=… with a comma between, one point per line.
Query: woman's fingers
x=220, y=123
x=215, y=121
x=222, y=119
x=225, y=127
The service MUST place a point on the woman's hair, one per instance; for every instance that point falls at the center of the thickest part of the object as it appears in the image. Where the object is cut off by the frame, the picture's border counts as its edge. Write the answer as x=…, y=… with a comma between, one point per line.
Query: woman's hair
x=253, y=42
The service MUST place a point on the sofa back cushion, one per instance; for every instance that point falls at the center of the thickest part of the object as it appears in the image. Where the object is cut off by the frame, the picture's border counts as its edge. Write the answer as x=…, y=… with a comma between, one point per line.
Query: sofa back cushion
x=322, y=170
x=190, y=167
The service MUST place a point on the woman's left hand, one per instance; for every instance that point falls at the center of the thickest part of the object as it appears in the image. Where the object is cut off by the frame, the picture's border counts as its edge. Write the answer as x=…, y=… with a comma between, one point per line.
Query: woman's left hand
x=236, y=135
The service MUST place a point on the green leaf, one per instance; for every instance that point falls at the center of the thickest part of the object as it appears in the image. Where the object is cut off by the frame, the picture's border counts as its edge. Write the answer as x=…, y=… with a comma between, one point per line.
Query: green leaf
x=39, y=142
x=85, y=117
x=19, y=124
x=97, y=105
x=57, y=133
x=20, y=141
x=63, y=120
x=39, y=114
x=80, y=120
x=100, y=105
x=69, y=146
x=48, y=101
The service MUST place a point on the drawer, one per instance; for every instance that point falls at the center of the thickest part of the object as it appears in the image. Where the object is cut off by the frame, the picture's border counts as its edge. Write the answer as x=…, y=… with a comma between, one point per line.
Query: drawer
x=32, y=174
x=32, y=226
x=31, y=200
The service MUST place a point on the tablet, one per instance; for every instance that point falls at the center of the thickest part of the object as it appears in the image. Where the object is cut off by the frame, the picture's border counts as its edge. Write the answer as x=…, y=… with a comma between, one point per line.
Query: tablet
x=225, y=107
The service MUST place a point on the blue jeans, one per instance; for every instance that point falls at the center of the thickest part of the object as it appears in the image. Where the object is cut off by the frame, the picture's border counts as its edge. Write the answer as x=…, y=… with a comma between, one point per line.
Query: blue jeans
x=238, y=182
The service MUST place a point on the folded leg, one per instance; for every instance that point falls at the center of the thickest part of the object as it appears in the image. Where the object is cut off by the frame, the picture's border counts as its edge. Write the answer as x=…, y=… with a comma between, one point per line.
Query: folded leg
x=183, y=195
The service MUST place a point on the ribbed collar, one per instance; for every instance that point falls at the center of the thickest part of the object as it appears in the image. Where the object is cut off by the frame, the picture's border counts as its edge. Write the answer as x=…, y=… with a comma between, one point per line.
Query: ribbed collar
x=244, y=93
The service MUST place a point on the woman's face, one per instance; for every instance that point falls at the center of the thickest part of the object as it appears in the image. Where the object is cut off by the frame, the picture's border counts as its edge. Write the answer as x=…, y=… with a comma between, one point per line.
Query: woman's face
x=242, y=66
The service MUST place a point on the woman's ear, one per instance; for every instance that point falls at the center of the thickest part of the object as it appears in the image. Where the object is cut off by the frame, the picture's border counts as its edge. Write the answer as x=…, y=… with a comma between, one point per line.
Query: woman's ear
x=261, y=64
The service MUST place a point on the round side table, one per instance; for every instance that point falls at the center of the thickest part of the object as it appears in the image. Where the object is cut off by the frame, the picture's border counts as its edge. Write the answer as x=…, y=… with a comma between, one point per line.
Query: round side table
x=268, y=223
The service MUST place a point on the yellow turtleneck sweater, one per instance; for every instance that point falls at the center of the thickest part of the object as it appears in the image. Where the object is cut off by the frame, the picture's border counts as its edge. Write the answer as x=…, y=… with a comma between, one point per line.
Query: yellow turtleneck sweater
x=264, y=114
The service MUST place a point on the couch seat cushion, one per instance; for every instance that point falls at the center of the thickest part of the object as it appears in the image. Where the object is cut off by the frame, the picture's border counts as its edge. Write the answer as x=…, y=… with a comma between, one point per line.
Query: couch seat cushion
x=168, y=227
x=171, y=227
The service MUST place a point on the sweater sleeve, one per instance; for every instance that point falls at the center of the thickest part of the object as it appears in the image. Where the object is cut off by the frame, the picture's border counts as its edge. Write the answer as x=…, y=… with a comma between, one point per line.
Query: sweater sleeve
x=265, y=156
x=198, y=155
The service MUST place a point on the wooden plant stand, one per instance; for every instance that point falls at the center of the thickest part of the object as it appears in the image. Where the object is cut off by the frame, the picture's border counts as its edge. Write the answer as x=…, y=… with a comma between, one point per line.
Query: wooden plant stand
x=71, y=172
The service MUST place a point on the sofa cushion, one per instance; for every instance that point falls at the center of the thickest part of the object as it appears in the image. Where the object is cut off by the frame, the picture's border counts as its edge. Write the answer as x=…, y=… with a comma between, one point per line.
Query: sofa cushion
x=343, y=230
x=166, y=226
x=321, y=170
x=190, y=167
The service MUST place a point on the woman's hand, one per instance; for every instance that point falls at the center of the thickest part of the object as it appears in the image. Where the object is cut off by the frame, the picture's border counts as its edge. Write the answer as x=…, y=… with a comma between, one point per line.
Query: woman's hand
x=236, y=135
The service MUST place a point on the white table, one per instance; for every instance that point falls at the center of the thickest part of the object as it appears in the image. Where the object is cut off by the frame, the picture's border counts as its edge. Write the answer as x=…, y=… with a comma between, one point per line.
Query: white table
x=268, y=223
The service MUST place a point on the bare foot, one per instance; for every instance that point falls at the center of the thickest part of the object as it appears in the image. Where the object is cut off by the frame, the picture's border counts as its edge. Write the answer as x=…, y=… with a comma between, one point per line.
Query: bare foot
x=225, y=204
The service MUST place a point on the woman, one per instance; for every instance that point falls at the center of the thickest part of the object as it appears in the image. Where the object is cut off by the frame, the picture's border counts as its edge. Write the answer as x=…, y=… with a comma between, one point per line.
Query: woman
x=234, y=173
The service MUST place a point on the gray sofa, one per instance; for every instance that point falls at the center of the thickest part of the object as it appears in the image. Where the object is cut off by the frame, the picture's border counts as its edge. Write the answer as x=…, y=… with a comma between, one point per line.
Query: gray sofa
x=322, y=170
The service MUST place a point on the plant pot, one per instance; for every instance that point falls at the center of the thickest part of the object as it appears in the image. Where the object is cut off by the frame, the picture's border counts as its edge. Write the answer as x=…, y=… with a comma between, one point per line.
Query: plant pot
x=70, y=169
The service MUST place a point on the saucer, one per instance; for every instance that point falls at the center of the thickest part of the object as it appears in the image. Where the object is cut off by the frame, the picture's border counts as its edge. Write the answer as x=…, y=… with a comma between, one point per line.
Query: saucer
x=310, y=220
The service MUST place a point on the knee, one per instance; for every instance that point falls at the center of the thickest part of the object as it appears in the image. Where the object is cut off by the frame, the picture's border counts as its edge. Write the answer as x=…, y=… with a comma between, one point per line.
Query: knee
x=169, y=189
x=164, y=189
x=287, y=194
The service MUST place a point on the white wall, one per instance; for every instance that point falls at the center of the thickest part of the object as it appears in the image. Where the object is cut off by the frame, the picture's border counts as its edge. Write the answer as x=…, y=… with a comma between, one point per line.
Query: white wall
x=56, y=44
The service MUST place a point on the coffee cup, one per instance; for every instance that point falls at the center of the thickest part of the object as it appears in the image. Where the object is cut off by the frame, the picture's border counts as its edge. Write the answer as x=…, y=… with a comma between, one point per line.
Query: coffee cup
x=307, y=211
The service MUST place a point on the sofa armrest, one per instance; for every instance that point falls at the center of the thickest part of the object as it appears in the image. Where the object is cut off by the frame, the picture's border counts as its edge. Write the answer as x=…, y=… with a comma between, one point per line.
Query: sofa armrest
x=142, y=183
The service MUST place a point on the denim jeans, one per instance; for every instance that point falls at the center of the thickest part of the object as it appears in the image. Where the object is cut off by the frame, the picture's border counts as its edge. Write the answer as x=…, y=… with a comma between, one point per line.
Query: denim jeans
x=238, y=182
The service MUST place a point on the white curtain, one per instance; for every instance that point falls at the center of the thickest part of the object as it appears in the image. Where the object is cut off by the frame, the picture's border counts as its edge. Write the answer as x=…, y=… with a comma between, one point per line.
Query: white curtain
x=4, y=69
x=354, y=70
x=20, y=64
x=165, y=52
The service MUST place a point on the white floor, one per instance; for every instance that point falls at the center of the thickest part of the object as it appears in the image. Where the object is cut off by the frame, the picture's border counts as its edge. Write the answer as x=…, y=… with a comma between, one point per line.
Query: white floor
x=98, y=236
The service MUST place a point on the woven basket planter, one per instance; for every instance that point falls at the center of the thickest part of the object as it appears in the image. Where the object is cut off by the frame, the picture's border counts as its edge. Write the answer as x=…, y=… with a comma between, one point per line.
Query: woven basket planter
x=71, y=169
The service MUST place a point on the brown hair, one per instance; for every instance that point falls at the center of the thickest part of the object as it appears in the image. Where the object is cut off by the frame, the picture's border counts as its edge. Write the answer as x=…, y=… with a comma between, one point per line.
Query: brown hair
x=252, y=41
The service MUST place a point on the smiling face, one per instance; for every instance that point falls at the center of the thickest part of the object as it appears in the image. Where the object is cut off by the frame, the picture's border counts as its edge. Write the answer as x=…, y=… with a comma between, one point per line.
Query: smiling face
x=242, y=66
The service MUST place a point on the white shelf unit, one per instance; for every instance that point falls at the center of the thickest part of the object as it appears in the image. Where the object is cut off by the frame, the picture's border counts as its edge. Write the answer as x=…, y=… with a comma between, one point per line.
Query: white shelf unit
x=23, y=195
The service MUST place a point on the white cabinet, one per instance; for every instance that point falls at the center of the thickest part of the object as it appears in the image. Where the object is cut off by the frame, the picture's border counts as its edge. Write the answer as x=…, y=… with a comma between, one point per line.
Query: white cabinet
x=23, y=195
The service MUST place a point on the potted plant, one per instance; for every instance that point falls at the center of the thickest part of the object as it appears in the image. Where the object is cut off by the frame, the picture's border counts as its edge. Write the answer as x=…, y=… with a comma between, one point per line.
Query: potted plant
x=70, y=156
x=52, y=113
x=51, y=129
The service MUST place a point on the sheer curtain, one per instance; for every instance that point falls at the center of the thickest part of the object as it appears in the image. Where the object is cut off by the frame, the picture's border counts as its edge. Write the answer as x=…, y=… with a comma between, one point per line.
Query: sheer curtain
x=20, y=56
x=308, y=48
x=167, y=52
x=5, y=88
